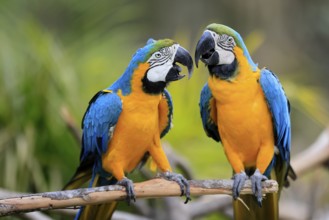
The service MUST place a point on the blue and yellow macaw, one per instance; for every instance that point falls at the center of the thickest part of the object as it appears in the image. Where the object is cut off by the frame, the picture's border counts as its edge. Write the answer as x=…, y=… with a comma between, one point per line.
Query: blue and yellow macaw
x=123, y=124
x=245, y=108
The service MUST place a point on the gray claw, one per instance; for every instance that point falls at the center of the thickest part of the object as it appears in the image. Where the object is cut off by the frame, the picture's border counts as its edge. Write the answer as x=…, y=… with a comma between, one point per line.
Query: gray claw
x=256, y=185
x=238, y=183
x=128, y=184
x=181, y=181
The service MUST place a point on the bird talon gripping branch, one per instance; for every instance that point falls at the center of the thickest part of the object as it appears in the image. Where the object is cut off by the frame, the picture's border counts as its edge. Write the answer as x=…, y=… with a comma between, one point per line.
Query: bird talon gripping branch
x=238, y=182
x=128, y=184
x=256, y=185
x=181, y=181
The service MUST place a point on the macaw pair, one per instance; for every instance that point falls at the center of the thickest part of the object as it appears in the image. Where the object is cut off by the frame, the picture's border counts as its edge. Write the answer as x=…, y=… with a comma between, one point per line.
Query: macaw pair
x=243, y=107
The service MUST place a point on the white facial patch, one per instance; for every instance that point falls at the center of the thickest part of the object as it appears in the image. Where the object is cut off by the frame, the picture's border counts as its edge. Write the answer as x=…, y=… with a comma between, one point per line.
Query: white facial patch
x=159, y=73
x=225, y=57
x=224, y=45
x=160, y=63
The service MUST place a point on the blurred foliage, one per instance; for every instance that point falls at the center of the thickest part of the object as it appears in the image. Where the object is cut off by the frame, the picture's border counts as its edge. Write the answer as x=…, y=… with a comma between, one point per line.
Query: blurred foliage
x=55, y=53
x=35, y=77
x=44, y=64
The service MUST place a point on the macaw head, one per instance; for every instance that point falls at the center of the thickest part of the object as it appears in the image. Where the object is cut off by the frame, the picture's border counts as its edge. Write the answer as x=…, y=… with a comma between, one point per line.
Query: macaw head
x=221, y=48
x=161, y=58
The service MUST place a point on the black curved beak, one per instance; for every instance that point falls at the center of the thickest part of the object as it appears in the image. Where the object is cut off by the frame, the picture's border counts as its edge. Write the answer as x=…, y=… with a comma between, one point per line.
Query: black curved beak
x=183, y=57
x=205, y=50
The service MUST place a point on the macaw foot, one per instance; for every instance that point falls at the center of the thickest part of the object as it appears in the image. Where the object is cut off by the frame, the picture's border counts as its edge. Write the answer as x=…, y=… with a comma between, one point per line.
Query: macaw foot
x=238, y=182
x=181, y=181
x=128, y=184
x=256, y=185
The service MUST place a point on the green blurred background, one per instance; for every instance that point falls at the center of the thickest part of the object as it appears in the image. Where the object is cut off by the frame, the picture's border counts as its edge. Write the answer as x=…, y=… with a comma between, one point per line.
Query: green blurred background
x=58, y=54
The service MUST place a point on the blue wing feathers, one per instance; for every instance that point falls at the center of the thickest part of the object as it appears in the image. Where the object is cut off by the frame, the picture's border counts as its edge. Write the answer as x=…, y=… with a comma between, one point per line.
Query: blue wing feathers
x=209, y=125
x=102, y=114
x=92, y=100
x=279, y=108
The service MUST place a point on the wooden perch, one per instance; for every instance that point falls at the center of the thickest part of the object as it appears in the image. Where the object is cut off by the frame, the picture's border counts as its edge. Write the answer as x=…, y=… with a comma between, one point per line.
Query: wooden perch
x=149, y=189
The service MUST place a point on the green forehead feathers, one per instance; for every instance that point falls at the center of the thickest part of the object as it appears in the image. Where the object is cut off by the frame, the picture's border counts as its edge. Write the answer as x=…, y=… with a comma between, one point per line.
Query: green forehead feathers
x=144, y=53
x=157, y=45
x=222, y=29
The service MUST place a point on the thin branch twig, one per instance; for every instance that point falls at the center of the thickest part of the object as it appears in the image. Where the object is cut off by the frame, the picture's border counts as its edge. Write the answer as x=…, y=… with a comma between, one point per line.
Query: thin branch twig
x=149, y=189
x=71, y=124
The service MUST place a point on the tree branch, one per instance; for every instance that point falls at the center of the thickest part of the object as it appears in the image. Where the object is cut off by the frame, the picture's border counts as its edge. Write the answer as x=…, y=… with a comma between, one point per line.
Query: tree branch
x=313, y=156
x=149, y=189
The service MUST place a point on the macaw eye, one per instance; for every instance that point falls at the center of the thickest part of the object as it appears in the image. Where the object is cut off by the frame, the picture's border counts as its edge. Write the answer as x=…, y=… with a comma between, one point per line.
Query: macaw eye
x=230, y=39
x=157, y=55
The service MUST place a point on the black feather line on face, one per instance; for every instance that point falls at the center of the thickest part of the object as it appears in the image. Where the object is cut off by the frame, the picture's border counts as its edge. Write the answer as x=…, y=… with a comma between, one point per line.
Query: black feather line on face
x=227, y=48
